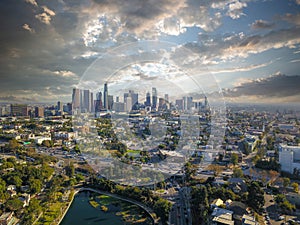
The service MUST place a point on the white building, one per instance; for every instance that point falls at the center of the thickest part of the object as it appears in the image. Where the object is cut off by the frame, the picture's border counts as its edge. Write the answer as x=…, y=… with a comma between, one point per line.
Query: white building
x=289, y=158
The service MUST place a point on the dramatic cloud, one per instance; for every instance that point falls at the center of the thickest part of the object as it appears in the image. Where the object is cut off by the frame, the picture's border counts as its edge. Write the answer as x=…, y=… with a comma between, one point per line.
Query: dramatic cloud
x=291, y=18
x=227, y=47
x=46, y=16
x=277, y=85
x=33, y=2
x=65, y=73
x=240, y=69
x=236, y=9
x=27, y=27
x=262, y=24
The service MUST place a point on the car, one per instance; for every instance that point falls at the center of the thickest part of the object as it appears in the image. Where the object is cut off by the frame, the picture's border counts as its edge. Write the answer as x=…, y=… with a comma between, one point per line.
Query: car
x=281, y=218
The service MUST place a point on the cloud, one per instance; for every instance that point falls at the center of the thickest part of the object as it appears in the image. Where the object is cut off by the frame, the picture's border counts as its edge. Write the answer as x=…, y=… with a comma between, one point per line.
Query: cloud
x=296, y=60
x=32, y=2
x=235, y=10
x=262, y=24
x=274, y=86
x=27, y=27
x=236, y=46
x=138, y=16
x=65, y=73
x=292, y=18
x=48, y=11
x=240, y=69
x=46, y=16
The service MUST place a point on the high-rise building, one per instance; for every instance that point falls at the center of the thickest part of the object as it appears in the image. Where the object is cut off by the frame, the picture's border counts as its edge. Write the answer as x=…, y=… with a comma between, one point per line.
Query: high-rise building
x=59, y=106
x=98, y=102
x=39, y=111
x=19, y=110
x=105, y=96
x=119, y=106
x=128, y=104
x=91, y=102
x=205, y=102
x=162, y=103
x=166, y=97
x=86, y=104
x=148, y=99
x=134, y=98
x=76, y=99
x=110, y=102
x=187, y=102
x=179, y=104
x=154, y=98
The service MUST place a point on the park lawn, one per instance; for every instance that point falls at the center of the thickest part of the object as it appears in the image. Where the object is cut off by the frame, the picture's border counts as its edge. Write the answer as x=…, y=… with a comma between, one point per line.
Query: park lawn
x=53, y=212
x=106, y=200
x=133, y=151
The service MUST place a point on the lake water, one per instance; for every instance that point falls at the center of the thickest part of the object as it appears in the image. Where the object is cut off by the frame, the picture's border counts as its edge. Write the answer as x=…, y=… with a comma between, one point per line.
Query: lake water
x=82, y=212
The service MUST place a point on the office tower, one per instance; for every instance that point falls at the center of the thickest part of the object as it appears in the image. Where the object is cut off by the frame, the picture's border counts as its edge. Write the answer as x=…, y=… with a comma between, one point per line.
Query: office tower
x=119, y=106
x=134, y=98
x=179, y=104
x=166, y=97
x=187, y=102
x=39, y=111
x=86, y=103
x=190, y=103
x=148, y=99
x=110, y=102
x=98, y=102
x=154, y=98
x=161, y=103
x=59, y=106
x=19, y=110
x=105, y=96
x=76, y=99
x=205, y=102
x=91, y=102
x=128, y=103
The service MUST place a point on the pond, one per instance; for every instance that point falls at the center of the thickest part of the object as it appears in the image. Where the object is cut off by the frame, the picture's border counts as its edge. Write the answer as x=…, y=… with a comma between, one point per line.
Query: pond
x=90, y=208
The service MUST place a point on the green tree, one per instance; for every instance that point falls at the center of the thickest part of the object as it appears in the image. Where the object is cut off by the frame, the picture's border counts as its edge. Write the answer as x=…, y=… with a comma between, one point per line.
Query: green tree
x=70, y=170
x=14, y=204
x=35, y=186
x=15, y=179
x=162, y=208
x=13, y=145
x=199, y=205
x=295, y=186
x=255, y=196
x=238, y=172
x=234, y=158
x=286, y=182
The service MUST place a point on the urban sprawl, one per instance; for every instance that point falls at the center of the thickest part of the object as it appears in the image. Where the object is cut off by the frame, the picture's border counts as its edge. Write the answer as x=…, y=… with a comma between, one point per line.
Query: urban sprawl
x=251, y=177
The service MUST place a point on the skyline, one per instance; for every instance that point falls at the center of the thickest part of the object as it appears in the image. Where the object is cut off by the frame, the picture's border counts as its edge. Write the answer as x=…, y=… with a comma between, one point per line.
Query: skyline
x=251, y=48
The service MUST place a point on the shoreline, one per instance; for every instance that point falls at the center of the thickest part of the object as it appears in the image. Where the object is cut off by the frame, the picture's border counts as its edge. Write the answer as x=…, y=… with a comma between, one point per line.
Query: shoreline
x=68, y=207
x=148, y=210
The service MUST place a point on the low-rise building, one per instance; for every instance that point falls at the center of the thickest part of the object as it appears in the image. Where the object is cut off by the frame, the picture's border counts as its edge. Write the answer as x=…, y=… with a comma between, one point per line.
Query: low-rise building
x=222, y=216
x=249, y=220
x=8, y=218
x=289, y=158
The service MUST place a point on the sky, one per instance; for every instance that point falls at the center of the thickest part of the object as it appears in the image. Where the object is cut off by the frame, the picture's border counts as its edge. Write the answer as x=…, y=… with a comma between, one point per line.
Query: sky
x=250, y=48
